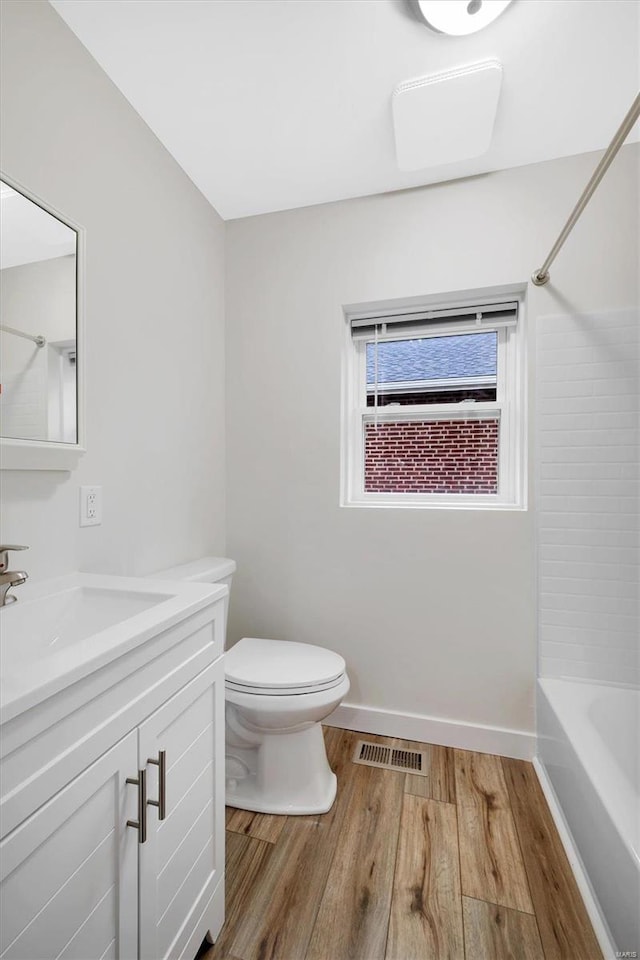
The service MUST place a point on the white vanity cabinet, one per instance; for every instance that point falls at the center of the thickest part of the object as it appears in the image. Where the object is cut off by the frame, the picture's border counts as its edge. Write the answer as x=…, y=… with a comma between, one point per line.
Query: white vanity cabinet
x=78, y=882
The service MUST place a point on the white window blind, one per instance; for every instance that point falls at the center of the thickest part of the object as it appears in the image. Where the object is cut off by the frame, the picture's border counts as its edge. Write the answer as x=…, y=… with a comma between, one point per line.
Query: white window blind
x=466, y=319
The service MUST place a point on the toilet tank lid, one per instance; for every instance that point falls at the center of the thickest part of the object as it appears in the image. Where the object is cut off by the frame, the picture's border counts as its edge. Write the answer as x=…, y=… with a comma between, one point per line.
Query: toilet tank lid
x=204, y=570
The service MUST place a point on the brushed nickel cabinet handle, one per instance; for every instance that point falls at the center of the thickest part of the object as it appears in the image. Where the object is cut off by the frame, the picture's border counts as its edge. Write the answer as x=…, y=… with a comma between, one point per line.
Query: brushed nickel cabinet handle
x=141, y=823
x=161, y=802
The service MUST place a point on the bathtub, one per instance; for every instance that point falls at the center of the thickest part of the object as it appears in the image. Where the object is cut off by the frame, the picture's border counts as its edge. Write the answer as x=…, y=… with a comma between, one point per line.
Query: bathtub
x=588, y=742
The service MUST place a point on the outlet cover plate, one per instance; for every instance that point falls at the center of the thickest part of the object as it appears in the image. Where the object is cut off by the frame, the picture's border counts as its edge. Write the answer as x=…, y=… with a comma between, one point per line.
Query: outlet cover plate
x=90, y=506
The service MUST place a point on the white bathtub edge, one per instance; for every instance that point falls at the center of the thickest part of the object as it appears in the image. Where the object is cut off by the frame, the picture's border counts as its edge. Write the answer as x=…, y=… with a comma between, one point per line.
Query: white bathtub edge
x=598, y=922
x=518, y=744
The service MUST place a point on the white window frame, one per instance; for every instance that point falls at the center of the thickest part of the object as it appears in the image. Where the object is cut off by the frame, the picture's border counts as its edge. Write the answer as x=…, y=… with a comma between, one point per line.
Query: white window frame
x=510, y=405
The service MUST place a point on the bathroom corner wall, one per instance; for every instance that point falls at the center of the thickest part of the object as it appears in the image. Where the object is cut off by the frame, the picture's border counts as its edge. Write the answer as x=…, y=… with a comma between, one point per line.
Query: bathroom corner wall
x=154, y=315
x=434, y=610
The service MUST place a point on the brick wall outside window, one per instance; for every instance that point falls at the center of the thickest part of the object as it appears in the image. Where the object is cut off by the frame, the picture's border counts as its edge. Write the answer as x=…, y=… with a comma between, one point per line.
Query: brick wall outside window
x=435, y=456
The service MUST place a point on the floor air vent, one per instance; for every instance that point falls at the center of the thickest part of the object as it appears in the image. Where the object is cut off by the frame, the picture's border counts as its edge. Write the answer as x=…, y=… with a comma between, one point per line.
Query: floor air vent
x=390, y=758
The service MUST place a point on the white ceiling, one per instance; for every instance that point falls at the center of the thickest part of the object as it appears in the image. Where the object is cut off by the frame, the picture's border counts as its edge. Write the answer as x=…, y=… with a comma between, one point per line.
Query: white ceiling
x=28, y=233
x=273, y=104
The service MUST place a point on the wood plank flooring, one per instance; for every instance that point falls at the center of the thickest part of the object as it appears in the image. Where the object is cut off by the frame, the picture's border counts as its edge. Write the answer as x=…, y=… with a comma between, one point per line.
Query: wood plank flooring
x=464, y=864
x=490, y=860
x=426, y=919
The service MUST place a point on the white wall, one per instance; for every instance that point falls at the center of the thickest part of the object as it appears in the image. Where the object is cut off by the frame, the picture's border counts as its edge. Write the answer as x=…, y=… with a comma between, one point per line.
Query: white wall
x=154, y=314
x=433, y=610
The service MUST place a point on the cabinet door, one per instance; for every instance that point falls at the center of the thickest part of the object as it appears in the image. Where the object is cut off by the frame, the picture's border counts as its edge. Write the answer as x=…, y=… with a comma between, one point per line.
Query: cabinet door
x=69, y=873
x=182, y=860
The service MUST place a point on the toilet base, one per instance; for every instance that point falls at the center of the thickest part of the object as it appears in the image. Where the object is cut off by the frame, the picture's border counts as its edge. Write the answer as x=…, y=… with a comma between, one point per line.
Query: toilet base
x=285, y=773
x=247, y=796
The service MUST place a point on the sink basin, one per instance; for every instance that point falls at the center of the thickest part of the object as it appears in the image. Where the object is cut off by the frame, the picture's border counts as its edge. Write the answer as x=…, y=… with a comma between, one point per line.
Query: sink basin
x=63, y=619
x=60, y=630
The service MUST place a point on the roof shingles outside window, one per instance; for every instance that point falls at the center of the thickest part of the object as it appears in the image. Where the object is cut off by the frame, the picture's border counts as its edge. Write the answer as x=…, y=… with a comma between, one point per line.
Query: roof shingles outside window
x=461, y=357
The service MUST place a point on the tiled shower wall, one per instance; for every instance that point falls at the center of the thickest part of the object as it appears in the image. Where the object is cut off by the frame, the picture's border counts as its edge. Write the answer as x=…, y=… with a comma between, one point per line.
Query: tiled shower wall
x=587, y=517
x=23, y=401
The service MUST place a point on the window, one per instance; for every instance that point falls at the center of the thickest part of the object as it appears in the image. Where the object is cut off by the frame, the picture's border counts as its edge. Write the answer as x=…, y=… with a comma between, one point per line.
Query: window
x=434, y=406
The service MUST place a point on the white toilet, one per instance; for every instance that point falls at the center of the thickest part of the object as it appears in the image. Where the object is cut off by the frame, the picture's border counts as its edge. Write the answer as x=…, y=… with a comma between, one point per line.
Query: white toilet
x=277, y=693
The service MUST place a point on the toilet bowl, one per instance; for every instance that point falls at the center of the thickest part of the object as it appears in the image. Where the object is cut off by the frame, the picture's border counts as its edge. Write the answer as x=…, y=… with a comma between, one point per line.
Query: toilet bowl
x=277, y=693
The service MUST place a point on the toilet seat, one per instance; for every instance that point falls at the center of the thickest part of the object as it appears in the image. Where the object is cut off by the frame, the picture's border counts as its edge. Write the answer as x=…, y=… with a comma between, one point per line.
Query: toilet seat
x=283, y=691
x=281, y=668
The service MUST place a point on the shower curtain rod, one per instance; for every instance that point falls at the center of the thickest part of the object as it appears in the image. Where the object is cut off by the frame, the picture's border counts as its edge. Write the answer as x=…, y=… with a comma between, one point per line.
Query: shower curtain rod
x=541, y=276
x=39, y=341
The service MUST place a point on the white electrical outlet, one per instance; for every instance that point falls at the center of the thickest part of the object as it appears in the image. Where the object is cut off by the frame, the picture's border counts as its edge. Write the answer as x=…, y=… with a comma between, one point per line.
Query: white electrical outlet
x=90, y=506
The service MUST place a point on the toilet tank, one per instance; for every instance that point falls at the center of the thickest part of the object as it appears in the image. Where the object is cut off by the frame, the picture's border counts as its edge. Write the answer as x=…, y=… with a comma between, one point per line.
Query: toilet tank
x=205, y=570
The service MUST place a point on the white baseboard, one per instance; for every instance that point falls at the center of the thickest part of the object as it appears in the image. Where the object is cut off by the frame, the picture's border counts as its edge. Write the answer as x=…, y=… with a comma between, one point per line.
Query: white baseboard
x=447, y=733
x=598, y=922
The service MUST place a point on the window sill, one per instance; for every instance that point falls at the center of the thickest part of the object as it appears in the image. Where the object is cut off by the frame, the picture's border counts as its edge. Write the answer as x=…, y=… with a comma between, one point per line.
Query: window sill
x=403, y=502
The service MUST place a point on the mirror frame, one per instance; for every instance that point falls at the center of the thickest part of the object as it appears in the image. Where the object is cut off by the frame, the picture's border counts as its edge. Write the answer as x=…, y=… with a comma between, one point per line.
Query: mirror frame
x=48, y=454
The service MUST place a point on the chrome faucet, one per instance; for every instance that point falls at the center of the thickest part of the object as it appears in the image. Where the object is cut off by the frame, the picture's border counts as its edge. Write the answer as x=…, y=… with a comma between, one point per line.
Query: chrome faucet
x=9, y=578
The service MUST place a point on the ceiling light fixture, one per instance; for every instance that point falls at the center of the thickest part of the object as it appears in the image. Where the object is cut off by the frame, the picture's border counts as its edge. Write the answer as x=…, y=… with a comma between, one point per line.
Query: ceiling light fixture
x=458, y=17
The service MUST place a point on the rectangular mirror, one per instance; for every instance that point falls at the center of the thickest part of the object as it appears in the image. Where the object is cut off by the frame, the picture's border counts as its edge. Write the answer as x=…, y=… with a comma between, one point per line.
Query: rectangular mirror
x=39, y=320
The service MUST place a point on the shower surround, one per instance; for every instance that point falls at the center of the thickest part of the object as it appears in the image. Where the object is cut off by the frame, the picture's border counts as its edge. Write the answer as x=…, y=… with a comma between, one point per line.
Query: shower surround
x=588, y=594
